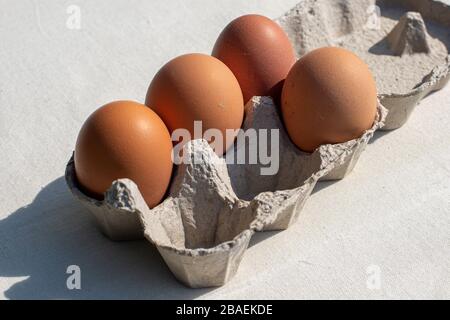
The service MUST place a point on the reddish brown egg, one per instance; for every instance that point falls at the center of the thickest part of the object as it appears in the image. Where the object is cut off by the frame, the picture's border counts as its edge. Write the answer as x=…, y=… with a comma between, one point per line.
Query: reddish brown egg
x=197, y=87
x=258, y=52
x=124, y=139
x=329, y=96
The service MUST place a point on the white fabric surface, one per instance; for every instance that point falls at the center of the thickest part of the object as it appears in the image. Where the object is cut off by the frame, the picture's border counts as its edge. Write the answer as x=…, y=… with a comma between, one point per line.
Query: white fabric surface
x=392, y=212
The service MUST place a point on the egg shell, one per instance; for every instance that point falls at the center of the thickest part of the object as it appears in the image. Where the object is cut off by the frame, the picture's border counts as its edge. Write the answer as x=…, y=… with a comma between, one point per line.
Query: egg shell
x=258, y=52
x=197, y=87
x=124, y=139
x=329, y=97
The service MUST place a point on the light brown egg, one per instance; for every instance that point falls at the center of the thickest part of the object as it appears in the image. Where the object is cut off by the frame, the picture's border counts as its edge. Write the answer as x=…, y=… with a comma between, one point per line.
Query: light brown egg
x=258, y=52
x=124, y=139
x=197, y=87
x=329, y=96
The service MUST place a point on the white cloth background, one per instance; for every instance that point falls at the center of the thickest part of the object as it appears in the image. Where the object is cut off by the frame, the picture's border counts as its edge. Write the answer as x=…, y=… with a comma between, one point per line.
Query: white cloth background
x=391, y=215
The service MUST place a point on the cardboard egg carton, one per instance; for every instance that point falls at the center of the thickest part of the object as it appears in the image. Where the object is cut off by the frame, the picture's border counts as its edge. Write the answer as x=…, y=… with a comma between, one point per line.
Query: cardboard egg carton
x=203, y=227
x=408, y=56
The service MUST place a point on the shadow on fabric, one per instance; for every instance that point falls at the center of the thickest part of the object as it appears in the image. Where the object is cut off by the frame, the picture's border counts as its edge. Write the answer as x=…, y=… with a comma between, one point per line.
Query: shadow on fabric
x=39, y=241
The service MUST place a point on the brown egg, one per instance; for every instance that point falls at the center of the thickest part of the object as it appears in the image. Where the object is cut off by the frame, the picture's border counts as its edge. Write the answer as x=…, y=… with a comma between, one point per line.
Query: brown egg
x=197, y=87
x=329, y=96
x=124, y=139
x=258, y=52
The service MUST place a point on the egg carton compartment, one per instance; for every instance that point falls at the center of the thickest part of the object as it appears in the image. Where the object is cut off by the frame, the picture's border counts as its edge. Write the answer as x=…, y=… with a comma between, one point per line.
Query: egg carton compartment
x=404, y=42
x=213, y=207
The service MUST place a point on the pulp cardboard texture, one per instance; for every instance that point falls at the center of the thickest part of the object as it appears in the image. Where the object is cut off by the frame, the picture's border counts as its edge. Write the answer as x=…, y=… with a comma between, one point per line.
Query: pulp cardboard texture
x=408, y=60
x=203, y=227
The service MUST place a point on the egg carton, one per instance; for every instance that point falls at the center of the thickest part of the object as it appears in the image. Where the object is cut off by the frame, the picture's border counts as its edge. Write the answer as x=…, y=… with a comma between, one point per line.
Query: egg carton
x=408, y=56
x=214, y=206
